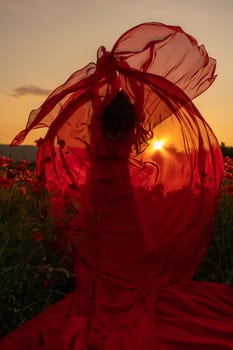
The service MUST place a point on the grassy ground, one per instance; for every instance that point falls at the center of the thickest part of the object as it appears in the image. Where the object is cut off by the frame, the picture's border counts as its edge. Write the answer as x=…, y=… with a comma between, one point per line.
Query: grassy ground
x=33, y=276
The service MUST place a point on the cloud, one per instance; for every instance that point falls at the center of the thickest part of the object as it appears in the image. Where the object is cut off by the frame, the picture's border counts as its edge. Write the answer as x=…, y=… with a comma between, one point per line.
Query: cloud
x=30, y=90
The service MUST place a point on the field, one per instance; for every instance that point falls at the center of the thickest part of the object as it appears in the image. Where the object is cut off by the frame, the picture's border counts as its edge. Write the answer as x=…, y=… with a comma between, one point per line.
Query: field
x=34, y=273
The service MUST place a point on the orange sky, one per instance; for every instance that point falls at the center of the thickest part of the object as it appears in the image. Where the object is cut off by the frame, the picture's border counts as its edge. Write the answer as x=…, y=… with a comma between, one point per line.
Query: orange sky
x=44, y=41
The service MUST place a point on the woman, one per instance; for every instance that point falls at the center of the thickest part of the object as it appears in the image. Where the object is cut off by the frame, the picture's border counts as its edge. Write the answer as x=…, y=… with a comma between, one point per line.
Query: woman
x=145, y=215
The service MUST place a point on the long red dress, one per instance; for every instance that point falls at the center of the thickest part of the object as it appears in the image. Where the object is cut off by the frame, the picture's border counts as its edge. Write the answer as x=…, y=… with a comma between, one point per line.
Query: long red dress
x=145, y=215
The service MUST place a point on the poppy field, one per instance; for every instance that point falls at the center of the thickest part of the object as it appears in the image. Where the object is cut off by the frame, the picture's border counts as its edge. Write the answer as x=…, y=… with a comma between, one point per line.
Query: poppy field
x=35, y=273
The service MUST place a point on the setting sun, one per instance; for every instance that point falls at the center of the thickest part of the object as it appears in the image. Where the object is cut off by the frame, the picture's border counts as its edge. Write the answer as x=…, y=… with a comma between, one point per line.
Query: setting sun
x=158, y=145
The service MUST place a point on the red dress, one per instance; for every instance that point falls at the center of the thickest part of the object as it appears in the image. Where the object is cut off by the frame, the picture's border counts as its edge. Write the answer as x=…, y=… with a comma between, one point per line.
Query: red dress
x=145, y=216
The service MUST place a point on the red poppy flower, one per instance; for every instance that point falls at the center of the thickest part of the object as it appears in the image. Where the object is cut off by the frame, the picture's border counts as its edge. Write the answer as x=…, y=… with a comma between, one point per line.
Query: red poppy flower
x=37, y=237
x=229, y=189
x=5, y=182
x=21, y=167
x=23, y=190
x=229, y=175
x=49, y=282
x=10, y=174
x=4, y=161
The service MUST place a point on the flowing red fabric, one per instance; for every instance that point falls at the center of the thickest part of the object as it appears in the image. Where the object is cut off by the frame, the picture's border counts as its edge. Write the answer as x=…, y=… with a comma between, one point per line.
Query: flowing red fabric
x=145, y=216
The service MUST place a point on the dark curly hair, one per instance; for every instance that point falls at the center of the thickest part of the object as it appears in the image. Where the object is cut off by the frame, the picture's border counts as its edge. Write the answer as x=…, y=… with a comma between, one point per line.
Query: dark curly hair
x=118, y=118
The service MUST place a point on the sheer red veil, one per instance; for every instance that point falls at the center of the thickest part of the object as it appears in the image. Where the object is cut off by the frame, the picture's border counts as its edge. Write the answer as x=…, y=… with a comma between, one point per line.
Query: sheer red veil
x=161, y=69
